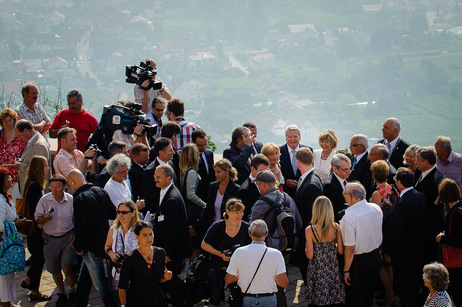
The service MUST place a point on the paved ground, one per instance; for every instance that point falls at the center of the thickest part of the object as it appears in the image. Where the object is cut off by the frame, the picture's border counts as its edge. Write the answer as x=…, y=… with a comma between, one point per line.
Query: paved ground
x=295, y=294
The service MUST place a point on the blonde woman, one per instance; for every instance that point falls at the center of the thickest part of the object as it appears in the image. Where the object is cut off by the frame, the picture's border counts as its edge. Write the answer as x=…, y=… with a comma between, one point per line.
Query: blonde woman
x=192, y=190
x=328, y=142
x=323, y=242
x=121, y=239
x=272, y=152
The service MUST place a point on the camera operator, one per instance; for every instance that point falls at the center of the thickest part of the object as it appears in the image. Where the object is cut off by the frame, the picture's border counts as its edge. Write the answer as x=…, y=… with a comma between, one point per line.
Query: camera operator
x=138, y=136
x=146, y=97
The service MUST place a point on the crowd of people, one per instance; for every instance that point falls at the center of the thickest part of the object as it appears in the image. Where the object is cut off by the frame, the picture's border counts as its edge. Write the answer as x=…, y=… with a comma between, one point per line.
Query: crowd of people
x=145, y=202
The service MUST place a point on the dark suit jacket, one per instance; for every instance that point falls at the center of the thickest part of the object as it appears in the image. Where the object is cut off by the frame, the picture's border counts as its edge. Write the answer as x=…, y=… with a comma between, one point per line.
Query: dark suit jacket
x=396, y=158
x=362, y=173
x=258, y=146
x=135, y=174
x=206, y=218
x=333, y=190
x=434, y=213
x=171, y=226
x=305, y=196
x=151, y=192
x=248, y=194
x=286, y=168
x=405, y=239
x=240, y=160
x=206, y=179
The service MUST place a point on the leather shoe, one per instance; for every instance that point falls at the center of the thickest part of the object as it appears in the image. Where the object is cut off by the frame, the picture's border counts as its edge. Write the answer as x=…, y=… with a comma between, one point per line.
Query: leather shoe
x=25, y=285
x=39, y=298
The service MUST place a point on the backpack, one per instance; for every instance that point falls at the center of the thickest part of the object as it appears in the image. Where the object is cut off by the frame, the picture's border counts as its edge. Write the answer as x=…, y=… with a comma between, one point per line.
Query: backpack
x=12, y=256
x=284, y=236
x=196, y=279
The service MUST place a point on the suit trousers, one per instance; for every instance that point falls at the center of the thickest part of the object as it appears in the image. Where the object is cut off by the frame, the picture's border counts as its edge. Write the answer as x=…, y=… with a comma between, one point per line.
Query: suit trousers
x=35, y=247
x=408, y=277
x=175, y=286
x=364, y=272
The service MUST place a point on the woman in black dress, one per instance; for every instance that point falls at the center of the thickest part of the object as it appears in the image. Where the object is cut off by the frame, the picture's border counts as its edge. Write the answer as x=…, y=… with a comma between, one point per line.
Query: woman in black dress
x=143, y=270
x=222, y=238
x=35, y=185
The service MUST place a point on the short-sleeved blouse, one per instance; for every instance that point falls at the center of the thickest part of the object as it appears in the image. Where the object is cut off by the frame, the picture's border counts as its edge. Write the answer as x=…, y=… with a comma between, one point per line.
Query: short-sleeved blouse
x=10, y=152
x=7, y=213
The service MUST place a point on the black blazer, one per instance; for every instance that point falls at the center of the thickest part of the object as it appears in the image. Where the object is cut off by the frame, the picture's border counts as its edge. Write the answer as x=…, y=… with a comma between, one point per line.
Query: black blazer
x=286, y=168
x=429, y=187
x=405, y=239
x=396, y=159
x=305, y=196
x=258, y=146
x=333, y=190
x=362, y=173
x=240, y=160
x=171, y=226
x=135, y=174
x=206, y=218
x=206, y=179
x=248, y=194
x=151, y=192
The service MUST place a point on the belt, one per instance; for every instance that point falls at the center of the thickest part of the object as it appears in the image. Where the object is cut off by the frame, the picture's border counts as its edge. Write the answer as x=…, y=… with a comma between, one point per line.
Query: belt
x=57, y=237
x=258, y=294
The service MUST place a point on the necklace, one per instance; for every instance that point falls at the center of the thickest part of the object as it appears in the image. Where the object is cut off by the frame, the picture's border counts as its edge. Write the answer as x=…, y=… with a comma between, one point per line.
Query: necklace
x=233, y=229
x=147, y=257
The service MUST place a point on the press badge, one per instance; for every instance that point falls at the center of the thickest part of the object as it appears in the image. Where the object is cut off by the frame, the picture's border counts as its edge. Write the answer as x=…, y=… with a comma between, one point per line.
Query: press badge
x=161, y=218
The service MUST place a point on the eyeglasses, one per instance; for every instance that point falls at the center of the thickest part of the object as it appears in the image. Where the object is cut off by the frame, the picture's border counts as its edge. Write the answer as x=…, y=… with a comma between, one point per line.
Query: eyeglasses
x=159, y=110
x=56, y=189
x=346, y=170
x=355, y=145
x=123, y=212
x=123, y=172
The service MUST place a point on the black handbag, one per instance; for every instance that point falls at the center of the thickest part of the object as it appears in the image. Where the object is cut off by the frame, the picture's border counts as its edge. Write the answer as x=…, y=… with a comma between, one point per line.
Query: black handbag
x=236, y=297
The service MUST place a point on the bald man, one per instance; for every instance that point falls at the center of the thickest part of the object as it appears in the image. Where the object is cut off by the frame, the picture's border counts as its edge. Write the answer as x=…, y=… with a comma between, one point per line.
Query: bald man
x=395, y=144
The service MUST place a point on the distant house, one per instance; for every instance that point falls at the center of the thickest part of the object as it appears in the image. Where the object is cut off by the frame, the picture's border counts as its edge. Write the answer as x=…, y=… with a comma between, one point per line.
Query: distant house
x=55, y=18
x=456, y=30
x=372, y=8
x=22, y=69
x=175, y=45
x=264, y=87
x=187, y=91
x=198, y=58
x=56, y=63
x=303, y=30
x=262, y=61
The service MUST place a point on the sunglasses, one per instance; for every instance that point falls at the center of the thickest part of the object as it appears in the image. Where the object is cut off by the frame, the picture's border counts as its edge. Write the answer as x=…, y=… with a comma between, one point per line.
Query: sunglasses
x=123, y=212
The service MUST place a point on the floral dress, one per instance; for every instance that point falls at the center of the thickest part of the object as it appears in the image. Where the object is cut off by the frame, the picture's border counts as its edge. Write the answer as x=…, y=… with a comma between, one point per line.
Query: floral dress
x=324, y=283
x=389, y=196
x=10, y=152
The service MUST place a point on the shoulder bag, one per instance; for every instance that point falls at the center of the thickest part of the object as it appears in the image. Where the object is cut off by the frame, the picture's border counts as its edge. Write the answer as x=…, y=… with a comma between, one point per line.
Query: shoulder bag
x=12, y=255
x=25, y=225
x=236, y=297
x=452, y=255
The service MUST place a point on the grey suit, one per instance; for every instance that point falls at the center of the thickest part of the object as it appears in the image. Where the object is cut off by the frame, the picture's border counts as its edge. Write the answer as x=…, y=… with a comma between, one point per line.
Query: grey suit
x=38, y=146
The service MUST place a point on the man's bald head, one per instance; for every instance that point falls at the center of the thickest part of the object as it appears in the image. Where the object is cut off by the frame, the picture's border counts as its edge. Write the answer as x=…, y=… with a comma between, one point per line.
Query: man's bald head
x=76, y=179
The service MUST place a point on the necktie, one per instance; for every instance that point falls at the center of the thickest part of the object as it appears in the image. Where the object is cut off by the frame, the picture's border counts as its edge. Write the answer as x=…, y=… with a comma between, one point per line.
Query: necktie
x=418, y=181
x=299, y=182
x=202, y=164
x=344, y=183
x=354, y=162
x=389, y=150
x=293, y=161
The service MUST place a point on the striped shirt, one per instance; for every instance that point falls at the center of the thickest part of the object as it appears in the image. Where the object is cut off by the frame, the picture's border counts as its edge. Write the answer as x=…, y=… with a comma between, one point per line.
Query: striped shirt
x=185, y=135
x=441, y=299
x=35, y=116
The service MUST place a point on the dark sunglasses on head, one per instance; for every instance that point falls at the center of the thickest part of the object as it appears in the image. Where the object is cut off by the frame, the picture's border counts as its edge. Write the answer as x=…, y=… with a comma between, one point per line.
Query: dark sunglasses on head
x=123, y=212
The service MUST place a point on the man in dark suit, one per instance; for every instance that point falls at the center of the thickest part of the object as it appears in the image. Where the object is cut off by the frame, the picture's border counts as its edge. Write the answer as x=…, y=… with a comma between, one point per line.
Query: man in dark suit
x=239, y=152
x=140, y=161
x=164, y=152
x=248, y=192
x=405, y=240
x=361, y=165
x=335, y=184
x=395, y=145
x=380, y=152
x=308, y=189
x=428, y=183
x=256, y=146
x=288, y=160
x=206, y=163
x=170, y=226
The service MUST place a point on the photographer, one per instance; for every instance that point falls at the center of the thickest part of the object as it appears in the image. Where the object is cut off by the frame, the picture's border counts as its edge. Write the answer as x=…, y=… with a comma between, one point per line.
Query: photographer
x=222, y=238
x=145, y=97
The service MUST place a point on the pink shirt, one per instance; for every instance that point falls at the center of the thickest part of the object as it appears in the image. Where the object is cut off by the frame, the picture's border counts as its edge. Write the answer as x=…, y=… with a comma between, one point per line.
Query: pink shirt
x=65, y=162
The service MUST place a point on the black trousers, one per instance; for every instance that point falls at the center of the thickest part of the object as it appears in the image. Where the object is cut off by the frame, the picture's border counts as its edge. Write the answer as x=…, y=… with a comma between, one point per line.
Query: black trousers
x=35, y=247
x=364, y=272
x=175, y=286
x=408, y=277
x=455, y=276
